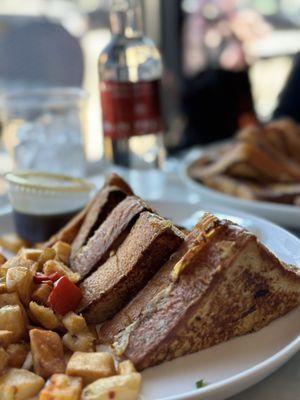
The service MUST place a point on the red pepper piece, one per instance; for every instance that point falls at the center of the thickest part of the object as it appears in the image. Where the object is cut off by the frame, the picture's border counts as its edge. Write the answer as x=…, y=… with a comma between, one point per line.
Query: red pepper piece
x=42, y=278
x=65, y=296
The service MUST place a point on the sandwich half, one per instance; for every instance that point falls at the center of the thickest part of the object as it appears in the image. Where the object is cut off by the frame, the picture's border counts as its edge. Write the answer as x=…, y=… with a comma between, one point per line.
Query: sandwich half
x=220, y=283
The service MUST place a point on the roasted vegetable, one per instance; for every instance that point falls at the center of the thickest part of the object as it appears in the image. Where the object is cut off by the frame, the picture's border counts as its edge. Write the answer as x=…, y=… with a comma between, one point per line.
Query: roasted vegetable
x=120, y=387
x=41, y=293
x=12, y=319
x=47, y=352
x=126, y=367
x=63, y=251
x=53, y=266
x=3, y=360
x=17, y=353
x=19, y=384
x=74, y=323
x=65, y=296
x=44, y=316
x=91, y=366
x=20, y=280
x=62, y=387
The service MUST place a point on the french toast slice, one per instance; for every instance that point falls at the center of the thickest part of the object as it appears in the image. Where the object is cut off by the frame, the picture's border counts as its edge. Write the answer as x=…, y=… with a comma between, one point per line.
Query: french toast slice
x=108, y=236
x=146, y=248
x=221, y=283
x=69, y=232
x=105, y=201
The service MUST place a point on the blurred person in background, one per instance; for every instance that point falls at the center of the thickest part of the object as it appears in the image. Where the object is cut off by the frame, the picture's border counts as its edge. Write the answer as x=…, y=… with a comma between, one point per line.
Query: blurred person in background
x=217, y=99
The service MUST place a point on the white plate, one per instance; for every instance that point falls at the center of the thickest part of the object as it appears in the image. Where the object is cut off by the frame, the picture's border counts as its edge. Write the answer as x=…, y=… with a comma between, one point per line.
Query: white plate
x=230, y=367
x=283, y=214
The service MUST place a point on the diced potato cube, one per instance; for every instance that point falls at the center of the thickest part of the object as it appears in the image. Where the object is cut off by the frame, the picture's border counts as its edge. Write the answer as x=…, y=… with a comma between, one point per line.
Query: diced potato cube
x=52, y=266
x=63, y=251
x=12, y=242
x=10, y=299
x=31, y=254
x=120, y=387
x=28, y=362
x=74, y=323
x=20, y=280
x=17, y=353
x=91, y=366
x=16, y=262
x=19, y=384
x=6, y=337
x=2, y=259
x=47, y=352
x=83, y=341
x=126, y=367
x=44, y=316
x=47, y=254
x=41, y=293
x=3, y=360
x=12, y=319
x=62, y=387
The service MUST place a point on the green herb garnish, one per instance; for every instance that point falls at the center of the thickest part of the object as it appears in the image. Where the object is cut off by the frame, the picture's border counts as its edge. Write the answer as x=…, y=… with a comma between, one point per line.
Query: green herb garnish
x=200, y=384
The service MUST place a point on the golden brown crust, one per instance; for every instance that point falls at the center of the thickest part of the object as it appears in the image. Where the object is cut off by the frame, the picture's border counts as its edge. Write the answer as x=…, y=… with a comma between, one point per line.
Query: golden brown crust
x=149, y=244
x=231, y=285
x=108, y=236
x=104, y=202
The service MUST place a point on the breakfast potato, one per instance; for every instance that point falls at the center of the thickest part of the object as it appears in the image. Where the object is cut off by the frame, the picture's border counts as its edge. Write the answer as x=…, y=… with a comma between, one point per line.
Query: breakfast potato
x=46, y=255
x=20, y=280
x=120, y=387
x=3, y=360
x=31, y=254
x=126, y=367
x=19, y=384
x=12, y=242
x=62, y=387
x=6, y=337
x=2, y=259
x=74, y=323
x=52, y=266
x=44, y=316
x=41, y=293
x=82, y=341
x=17, y=353
x=12, y=319
x=47, y=352
x=63, y=251
x=91, y=366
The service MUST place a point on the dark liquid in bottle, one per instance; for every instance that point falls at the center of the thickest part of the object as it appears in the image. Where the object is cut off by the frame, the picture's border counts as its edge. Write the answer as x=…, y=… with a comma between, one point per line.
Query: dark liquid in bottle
x=39, y=228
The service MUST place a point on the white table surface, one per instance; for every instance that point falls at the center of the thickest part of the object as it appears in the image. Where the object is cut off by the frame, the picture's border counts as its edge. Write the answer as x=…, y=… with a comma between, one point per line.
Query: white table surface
x=283, y=384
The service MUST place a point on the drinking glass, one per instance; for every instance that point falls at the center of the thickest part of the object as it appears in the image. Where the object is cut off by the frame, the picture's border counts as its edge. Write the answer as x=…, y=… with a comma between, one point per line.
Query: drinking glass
x=43, y=129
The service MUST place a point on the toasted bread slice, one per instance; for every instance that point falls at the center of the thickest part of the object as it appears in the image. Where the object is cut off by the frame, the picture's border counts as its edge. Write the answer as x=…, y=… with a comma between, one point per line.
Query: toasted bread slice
x=109, y=235
x=225, y=285
x=147, y=247
x=105, y=201
x=69, y=232
x=247, y=160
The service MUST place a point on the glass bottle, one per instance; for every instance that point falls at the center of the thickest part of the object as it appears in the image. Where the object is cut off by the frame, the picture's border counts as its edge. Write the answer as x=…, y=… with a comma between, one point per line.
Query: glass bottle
x=130, y=70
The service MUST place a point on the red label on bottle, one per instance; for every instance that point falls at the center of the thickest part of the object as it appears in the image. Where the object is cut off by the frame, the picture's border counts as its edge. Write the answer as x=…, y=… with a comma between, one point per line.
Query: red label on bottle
x=130, y=109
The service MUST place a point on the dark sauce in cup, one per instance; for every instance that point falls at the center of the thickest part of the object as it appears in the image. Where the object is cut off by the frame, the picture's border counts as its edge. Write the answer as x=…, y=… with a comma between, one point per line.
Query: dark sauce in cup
x=39, y=228
x=43, y=203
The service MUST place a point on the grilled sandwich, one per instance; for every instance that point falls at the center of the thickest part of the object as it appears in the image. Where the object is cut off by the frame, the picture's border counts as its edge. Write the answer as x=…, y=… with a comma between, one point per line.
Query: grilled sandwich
x=221, y=283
